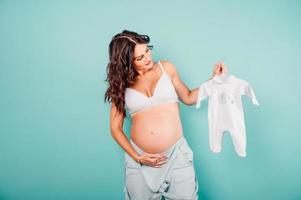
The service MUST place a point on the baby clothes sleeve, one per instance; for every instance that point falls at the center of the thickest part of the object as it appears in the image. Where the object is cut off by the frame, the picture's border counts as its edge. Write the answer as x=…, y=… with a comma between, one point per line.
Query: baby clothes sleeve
x=202, y=94
x=248, y=91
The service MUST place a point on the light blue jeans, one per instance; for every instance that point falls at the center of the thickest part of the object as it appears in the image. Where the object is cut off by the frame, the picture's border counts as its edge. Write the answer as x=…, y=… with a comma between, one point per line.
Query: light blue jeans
x=174, y=180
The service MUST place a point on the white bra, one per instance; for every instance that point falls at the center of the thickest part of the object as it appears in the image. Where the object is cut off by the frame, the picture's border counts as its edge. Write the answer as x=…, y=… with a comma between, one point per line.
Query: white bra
x=164, y=92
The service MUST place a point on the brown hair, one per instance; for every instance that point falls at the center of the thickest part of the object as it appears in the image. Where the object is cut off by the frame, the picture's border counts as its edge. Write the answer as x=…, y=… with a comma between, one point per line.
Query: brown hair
x=120, y=69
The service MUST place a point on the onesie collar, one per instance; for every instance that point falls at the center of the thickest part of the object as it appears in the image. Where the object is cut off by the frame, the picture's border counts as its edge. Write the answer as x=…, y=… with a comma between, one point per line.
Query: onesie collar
x=223, y=78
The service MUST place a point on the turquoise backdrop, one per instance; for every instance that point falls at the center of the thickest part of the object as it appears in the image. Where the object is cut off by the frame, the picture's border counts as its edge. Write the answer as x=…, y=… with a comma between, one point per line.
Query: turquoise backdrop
x=55, y=141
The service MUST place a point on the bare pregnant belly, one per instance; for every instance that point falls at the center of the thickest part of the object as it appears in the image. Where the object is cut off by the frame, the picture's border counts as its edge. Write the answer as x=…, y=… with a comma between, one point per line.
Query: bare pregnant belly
x=157, y=128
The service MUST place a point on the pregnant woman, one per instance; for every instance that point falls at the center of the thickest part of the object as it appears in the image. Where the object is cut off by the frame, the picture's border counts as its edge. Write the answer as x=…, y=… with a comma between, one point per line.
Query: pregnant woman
x=158, y=159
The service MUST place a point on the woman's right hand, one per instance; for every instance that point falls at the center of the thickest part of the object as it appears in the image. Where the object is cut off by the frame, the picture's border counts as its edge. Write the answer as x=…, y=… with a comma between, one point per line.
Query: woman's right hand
x=153, y=160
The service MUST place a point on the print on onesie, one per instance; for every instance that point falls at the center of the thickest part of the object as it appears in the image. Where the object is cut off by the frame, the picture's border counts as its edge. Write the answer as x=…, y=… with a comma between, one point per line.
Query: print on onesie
x=225, y=97
x=225, y=110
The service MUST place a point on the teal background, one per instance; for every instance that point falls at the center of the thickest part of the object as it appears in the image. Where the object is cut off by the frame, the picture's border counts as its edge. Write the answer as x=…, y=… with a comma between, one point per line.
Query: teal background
x=55, y=140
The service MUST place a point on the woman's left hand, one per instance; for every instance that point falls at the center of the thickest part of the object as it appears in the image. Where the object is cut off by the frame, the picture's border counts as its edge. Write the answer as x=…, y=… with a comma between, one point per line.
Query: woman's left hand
x=219, y=68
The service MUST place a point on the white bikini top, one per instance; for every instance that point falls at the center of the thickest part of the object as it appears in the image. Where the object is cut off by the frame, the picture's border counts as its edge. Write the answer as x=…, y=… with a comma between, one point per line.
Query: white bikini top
x=164, y=92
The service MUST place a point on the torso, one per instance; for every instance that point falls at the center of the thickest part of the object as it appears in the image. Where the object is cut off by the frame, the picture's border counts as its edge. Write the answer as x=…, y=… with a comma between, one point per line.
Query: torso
x=156, y=128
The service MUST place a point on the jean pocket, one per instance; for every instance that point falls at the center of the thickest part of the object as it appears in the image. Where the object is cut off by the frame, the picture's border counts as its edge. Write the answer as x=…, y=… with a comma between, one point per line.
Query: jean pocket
x=184, y=158
x=187, y=152
x=129, y=162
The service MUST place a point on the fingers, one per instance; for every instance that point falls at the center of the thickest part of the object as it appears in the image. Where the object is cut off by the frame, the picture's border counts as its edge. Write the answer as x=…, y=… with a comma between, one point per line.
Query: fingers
x=159, y=164
x=220, y=68
x=159, y=160
x=154, y=160
x=223, y=68
x=217, y=67
x=163, y=158
x=154, y=156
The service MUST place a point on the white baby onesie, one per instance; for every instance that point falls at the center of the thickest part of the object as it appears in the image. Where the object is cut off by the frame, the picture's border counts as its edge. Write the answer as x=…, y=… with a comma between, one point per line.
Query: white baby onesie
x=225, y=110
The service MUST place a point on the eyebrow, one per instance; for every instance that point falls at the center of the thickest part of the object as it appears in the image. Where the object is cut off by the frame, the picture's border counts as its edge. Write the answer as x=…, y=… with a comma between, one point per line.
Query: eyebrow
x=147, y=48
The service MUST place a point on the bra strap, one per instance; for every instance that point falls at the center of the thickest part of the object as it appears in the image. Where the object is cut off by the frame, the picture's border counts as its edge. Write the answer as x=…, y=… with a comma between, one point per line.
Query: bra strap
x=161, y=66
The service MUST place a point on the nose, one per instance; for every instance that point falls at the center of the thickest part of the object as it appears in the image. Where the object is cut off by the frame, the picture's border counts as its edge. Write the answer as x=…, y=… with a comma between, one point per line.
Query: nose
x=147, y=59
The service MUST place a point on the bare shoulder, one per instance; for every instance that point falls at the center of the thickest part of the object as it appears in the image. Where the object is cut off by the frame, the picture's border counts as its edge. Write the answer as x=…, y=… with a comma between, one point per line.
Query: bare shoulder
x=169, y=67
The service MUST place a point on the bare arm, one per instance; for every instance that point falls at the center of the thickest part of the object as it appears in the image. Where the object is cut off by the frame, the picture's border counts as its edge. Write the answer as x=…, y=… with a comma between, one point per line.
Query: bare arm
x=187, y=96
x=116, y=124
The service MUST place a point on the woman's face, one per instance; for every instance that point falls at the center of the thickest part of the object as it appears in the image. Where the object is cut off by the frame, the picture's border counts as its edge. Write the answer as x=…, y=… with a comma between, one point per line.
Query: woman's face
x=142, y=58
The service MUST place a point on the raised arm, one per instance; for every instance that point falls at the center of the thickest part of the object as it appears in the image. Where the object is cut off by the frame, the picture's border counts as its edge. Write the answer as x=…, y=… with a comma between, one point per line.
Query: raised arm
x=186, y=95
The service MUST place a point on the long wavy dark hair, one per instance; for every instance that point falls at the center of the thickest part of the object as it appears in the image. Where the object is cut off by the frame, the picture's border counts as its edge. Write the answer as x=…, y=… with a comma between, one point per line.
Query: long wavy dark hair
x=120, y=69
